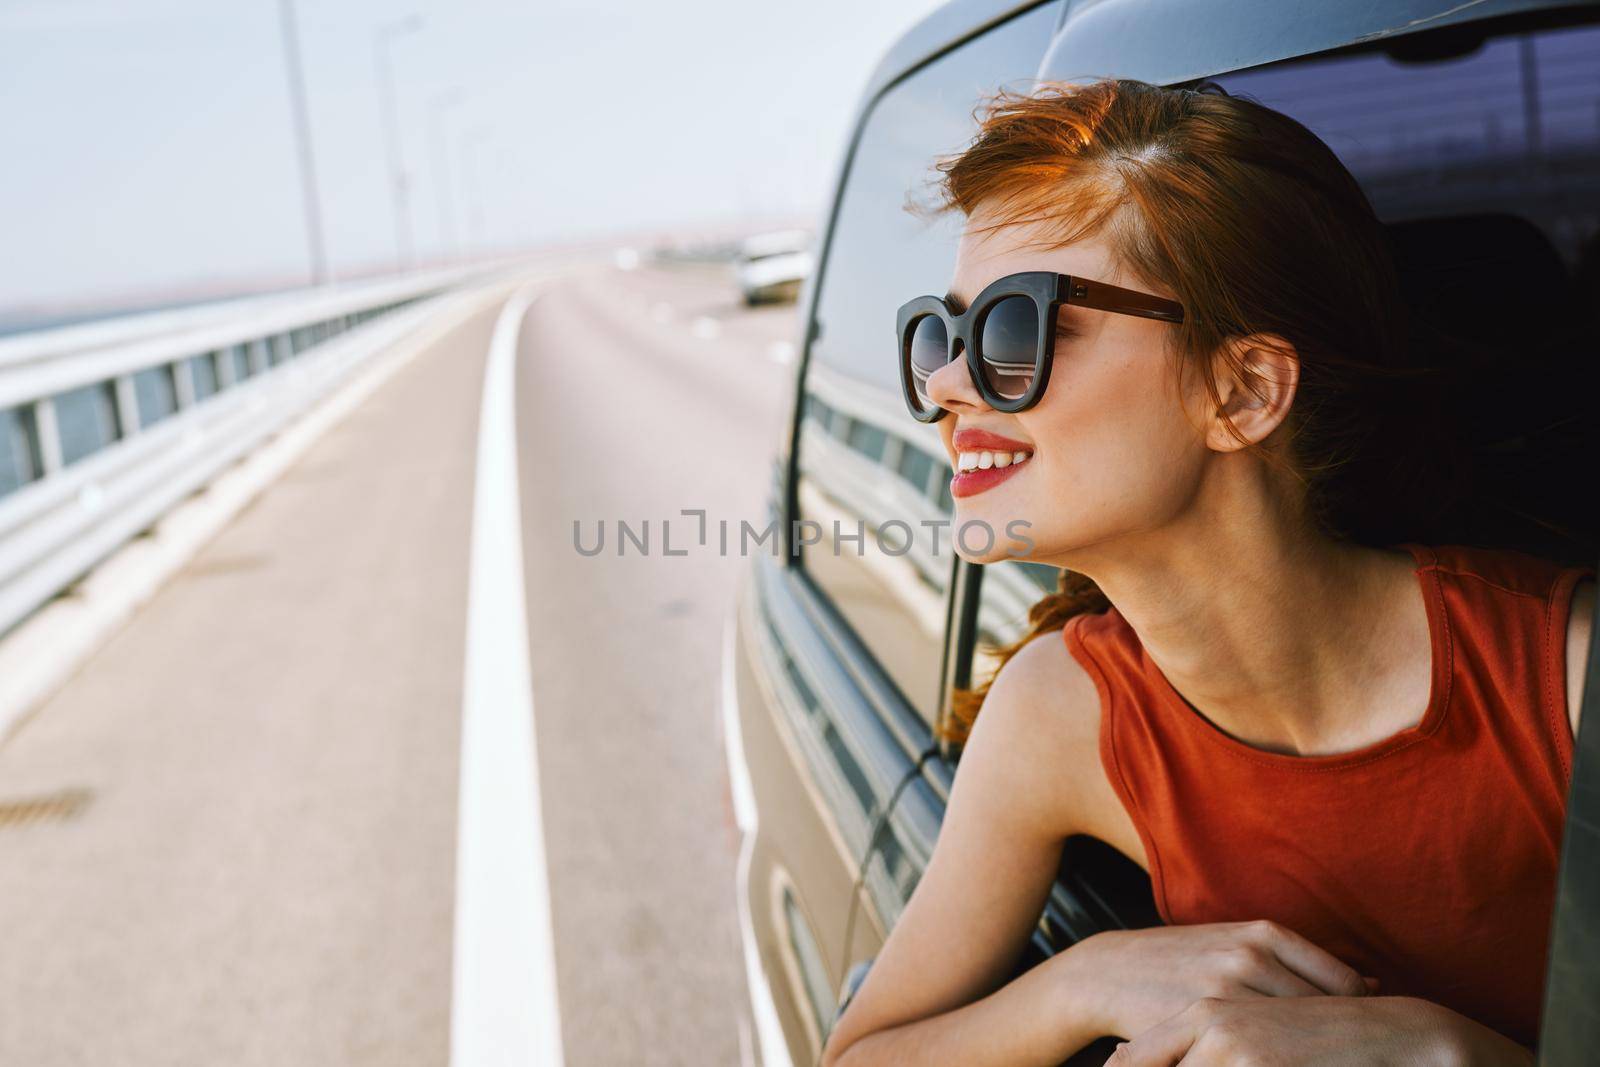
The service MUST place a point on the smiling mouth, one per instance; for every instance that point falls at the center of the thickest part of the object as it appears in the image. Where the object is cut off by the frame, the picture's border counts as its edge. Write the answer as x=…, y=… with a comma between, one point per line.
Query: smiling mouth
x=978, y=472
x=971, y=461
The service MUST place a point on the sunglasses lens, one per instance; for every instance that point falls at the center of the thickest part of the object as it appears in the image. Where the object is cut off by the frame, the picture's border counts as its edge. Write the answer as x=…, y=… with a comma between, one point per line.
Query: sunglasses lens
x=1009, y=341
x=930, y=350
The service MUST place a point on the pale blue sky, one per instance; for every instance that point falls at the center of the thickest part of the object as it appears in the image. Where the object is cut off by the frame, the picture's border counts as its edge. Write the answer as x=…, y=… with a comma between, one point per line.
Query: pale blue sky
x=148, y=145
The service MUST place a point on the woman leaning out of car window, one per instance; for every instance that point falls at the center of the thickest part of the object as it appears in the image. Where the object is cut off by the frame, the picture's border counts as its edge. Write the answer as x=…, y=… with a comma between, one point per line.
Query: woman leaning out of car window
x=1338, y=742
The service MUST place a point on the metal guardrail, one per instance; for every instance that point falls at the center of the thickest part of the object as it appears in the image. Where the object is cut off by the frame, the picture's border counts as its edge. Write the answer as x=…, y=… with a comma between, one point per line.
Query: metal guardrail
x=104, y=428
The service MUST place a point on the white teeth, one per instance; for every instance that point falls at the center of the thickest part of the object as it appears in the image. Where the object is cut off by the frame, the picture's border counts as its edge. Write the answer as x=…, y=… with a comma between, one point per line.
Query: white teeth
x=971, y=461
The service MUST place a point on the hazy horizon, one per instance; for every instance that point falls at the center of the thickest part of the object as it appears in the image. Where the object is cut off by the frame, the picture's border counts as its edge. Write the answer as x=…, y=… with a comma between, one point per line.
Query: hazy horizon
x=156, y=153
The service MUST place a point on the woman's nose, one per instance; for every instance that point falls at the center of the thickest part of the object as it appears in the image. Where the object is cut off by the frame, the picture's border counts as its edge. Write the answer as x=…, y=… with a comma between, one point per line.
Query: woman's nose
x=951, y=385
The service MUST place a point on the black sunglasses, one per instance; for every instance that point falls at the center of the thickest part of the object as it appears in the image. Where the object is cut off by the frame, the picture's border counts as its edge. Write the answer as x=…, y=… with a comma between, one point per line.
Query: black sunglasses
x=1009, y=335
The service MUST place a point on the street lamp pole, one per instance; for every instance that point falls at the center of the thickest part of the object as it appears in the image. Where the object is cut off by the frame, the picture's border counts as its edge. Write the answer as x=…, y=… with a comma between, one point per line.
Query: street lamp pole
x=310, y=200
x=449, y=242
x=391, y=126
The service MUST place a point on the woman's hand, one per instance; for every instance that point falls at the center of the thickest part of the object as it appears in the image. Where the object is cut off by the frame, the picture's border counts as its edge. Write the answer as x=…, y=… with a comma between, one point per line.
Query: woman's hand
x=1140, y=978
x=1326, y=1031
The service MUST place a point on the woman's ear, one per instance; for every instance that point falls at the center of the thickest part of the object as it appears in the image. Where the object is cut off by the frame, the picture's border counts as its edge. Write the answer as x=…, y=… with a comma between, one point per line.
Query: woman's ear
x=1257, y=376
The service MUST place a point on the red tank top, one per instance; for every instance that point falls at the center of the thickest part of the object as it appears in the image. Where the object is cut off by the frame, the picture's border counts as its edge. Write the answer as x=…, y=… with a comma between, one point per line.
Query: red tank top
x=1428, y=858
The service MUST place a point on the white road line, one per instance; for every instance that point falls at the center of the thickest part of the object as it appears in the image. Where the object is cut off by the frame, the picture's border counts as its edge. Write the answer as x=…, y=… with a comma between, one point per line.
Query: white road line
x=504, y=1008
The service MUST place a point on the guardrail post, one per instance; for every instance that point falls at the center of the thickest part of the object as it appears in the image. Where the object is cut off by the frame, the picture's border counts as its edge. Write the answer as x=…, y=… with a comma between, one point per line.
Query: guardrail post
x=49, y=431
x=260, y=355
x=893, y=450
x=183, y=383
x=227, y=375
x=127, y=406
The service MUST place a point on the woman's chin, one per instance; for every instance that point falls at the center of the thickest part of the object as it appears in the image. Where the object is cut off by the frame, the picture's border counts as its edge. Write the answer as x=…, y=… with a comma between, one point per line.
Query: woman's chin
x=990, y=535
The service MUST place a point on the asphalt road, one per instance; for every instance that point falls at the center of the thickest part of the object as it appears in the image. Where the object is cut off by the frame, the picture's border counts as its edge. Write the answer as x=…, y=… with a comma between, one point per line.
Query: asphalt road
x=230, y=837
x=640, y=395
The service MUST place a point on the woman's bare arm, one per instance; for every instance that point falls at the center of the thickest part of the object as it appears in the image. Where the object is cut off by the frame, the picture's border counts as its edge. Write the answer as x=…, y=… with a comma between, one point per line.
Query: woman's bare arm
x=934, y=993
x=1030, y=777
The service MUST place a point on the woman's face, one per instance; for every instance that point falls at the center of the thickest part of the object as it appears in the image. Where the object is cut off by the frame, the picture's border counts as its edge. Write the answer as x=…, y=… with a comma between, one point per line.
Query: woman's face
x=1113, y=453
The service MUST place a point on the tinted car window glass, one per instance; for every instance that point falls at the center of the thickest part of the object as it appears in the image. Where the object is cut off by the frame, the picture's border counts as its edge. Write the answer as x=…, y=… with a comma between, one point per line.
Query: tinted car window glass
x=1513, y=125
x=1481, y=150
x=858, y=454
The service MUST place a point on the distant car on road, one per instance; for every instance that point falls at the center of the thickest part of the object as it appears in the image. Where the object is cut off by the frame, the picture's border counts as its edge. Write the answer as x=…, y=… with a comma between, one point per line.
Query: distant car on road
x=772, y=266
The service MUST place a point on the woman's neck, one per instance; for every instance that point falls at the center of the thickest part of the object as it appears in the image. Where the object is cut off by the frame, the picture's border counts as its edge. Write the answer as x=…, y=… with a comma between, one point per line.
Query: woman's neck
x=1288, y=641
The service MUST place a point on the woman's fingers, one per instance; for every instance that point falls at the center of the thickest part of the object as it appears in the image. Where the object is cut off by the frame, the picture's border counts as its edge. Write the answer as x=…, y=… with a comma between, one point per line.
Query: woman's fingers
x=1320, y=968
x=1278, y=981
x=1164, y=1044
x=1252, y=967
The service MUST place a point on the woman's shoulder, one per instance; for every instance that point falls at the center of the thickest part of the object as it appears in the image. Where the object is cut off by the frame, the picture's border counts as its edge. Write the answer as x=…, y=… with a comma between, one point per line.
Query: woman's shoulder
x=1044, y=690
x=1501, y=601
x=1506, y=570
x=1044, y=710
x=1520, y=621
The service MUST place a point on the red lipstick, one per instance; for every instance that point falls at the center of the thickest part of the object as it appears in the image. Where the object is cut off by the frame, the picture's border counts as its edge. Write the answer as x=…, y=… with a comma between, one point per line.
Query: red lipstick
x=973, y=482
x=970, y=439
